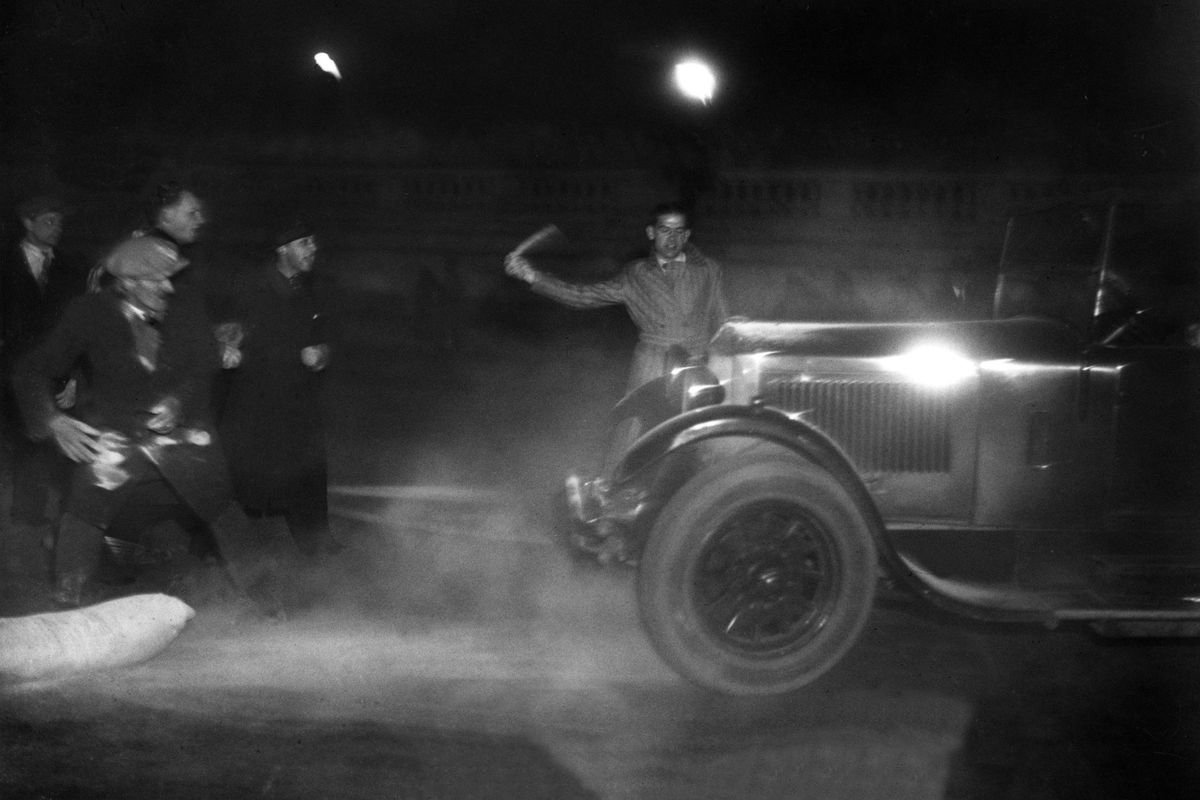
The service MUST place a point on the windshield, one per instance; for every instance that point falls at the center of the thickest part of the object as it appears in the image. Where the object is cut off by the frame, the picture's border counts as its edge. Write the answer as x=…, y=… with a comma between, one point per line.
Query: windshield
x=1057, y=263
x=1065, y=237
x=1155, y=252
x=1050, y=265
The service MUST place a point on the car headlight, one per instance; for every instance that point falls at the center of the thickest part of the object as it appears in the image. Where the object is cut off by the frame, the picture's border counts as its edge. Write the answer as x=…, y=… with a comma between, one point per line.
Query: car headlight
x=932, y=365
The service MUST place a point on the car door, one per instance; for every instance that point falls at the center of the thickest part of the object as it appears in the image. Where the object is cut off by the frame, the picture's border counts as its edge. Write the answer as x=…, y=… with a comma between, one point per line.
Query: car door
x=1038, y=446
x=1151, y=395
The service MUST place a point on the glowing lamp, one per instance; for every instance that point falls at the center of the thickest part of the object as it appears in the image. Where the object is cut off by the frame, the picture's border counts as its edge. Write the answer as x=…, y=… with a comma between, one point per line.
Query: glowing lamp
x=696, y=80
x=327, y=64
x=932, y=365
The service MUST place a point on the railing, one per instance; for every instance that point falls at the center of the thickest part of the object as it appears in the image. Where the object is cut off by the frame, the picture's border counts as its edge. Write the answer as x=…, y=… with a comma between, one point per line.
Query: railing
x=464, y=211
x=949, y=199
x=448, y=196
x=764, y=195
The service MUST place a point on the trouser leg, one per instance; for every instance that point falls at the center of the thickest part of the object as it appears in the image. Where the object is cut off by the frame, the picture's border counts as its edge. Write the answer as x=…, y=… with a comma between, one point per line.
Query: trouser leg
x=168, y=539
x=247, y=556
x=308, y=522
x=33, y=475
x=240, y=545
x=157, y=523
x=79, y=546
x=76, y=557
x=173, y=567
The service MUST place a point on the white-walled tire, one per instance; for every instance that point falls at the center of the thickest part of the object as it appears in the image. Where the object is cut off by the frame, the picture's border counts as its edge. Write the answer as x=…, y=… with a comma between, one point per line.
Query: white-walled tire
x=758, y=575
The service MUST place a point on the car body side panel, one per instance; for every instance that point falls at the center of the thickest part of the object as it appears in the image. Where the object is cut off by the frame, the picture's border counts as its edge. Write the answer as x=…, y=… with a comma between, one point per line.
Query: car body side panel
x=1039, y=465
x=1155, y=435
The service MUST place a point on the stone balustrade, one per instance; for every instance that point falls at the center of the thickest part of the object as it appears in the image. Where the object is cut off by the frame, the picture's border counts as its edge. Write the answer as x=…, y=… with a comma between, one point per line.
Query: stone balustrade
x=795, y=243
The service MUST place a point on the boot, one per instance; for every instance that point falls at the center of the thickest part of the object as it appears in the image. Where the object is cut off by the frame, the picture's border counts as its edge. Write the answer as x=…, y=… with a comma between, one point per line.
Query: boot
x=77, y=556
x=68, y=590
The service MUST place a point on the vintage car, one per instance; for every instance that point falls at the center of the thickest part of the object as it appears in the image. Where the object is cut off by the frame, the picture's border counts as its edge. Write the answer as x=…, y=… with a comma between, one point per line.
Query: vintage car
x=1042, y=465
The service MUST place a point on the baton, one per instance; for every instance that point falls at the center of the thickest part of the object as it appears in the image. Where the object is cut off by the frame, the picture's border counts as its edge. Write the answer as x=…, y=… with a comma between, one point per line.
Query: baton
x=536, y=238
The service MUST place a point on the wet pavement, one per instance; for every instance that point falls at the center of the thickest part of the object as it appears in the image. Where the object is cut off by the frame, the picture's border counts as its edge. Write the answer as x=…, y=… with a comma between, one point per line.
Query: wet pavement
x=454, y=651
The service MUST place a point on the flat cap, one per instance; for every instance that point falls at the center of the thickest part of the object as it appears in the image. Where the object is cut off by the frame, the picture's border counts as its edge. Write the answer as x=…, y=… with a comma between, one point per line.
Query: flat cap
x=35, y=206
x=291, y=231
x=144, y=258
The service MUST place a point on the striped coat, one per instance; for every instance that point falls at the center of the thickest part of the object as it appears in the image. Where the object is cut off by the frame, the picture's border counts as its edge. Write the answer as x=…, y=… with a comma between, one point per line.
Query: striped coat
x=681, y=305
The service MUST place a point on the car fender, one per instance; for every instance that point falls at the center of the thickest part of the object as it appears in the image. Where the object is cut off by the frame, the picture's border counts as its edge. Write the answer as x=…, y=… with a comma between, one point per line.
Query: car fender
x=639, y=469
x=754, y=421
x=686, y=431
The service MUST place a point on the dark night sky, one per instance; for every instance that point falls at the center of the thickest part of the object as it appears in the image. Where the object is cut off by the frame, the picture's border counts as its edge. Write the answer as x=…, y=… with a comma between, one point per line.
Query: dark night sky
x=973, y=76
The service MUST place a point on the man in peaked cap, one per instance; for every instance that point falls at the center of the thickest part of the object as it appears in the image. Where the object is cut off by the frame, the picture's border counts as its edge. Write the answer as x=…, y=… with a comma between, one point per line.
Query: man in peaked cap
x=37, y=279
x=271, y=423
x=142, y=439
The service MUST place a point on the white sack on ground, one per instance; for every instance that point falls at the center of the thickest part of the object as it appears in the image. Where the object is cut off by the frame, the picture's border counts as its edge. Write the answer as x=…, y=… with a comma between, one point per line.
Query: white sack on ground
x=110, y=634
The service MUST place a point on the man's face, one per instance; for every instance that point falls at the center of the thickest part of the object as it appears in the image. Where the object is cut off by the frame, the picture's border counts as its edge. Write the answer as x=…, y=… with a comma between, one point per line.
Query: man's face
x=300, y=254
x=182, y=221
x=44, y=230
x=148, y=294
x=669, y=234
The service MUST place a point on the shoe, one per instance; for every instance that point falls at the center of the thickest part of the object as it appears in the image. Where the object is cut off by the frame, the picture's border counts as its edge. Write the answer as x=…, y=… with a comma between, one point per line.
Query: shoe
x=612, y=551
x=585, y=498
x=68, y=591
x=605, y=542
x=574, y=488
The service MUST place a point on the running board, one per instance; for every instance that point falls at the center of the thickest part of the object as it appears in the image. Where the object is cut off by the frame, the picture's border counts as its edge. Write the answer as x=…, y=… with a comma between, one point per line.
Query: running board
x=1005, y=602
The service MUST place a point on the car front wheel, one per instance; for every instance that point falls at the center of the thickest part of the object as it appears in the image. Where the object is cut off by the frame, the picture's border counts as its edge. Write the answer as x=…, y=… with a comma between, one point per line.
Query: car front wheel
x=758, y=576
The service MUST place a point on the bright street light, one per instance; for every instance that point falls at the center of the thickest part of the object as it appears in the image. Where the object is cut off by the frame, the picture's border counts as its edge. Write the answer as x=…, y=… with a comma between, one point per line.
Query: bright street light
x=696, y=80
x=327, y=64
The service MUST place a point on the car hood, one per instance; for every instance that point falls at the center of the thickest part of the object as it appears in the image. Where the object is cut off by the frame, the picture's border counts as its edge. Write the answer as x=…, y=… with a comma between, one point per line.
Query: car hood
x=1025, y=337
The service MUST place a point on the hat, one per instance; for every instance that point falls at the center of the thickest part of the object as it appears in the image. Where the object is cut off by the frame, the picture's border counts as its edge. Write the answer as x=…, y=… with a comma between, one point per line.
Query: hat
x=145, y=258
x=35, y=206
x=291, y=231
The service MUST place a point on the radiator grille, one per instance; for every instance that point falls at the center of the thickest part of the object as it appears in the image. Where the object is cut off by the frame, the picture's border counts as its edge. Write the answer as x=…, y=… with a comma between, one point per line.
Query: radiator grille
x=884, y=427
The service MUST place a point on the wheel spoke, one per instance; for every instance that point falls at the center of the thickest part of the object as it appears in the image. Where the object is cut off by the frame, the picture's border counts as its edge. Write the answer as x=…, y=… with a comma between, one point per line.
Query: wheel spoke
x=765, y=577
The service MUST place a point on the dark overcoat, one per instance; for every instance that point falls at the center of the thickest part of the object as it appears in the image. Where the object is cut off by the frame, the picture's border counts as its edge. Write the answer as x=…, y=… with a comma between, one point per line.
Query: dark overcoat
x=28, y=311
x=271, y=418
